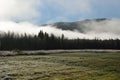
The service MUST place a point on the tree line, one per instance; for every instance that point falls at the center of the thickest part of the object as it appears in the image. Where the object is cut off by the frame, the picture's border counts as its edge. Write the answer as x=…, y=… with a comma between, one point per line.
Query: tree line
x=44, y=41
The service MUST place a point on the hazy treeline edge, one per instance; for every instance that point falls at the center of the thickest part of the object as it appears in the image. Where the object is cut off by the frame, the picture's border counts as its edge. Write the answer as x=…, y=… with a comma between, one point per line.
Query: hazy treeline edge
x=44, y=41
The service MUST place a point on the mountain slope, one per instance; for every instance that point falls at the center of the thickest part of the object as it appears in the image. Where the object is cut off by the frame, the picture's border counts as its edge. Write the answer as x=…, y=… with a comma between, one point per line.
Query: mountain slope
x=79, y=25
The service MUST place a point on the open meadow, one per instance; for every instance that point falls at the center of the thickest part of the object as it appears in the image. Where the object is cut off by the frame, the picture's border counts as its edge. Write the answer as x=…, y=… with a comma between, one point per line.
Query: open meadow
x=61, y=66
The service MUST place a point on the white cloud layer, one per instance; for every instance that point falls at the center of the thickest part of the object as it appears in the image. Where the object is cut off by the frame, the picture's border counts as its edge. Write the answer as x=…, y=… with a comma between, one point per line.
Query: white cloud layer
x=102, y=30
x=18, y=9
x=107, y=26
x=24, y=11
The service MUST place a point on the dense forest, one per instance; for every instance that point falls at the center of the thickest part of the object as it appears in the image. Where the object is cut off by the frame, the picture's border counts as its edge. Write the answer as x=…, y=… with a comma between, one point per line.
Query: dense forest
x=44, y=41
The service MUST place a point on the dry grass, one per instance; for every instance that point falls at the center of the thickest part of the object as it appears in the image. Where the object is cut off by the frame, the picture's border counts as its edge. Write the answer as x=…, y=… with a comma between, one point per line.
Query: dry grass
x=66, y=66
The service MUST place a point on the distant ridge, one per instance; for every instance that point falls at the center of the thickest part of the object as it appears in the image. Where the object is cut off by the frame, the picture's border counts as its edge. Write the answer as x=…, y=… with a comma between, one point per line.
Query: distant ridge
x=78, y=25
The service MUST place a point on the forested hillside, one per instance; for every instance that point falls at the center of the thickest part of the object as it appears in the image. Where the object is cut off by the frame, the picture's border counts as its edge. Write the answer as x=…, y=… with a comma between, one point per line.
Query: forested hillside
x=80, y=26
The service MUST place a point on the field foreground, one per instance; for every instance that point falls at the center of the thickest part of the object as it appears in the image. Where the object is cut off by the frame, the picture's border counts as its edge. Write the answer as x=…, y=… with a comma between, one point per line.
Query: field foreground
x=65, y=66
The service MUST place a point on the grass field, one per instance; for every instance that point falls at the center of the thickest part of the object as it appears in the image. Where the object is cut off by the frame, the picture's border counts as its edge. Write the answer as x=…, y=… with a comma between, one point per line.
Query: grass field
x=65, y=66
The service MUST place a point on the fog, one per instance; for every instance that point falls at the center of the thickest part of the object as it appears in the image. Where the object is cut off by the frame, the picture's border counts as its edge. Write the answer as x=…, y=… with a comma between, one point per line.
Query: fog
x=29, y=13
x=108, y=29
x=25, y=27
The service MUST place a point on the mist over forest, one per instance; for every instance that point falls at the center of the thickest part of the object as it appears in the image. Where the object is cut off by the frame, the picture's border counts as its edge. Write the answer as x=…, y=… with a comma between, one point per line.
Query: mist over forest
x=59, y=39
x=40, y=24
x=86, y=29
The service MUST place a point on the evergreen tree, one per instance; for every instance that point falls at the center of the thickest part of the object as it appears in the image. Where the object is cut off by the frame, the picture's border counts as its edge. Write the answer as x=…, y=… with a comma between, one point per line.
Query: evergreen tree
x=11, y=41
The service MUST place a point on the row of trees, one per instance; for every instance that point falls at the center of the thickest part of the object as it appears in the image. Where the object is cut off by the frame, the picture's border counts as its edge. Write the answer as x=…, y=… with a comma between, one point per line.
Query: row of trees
x=11, y=41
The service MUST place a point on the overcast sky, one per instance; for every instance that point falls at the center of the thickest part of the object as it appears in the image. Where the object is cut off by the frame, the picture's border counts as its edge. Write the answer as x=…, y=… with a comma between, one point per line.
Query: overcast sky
x=49, y=11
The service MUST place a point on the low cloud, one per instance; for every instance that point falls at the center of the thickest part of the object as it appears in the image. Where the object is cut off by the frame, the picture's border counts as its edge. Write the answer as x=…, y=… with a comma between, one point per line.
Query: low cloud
x=32, y=29
x=28, y=11
x=103, y=29
x=108, y=29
